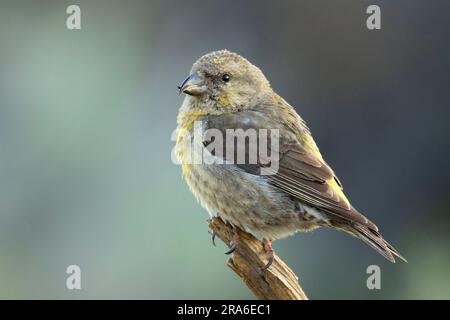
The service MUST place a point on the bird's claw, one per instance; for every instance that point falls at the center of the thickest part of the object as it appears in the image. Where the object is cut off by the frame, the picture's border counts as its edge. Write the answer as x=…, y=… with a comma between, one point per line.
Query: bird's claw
x=232, y=248
x=213, y=237
x=233, y=242
x=269, y=262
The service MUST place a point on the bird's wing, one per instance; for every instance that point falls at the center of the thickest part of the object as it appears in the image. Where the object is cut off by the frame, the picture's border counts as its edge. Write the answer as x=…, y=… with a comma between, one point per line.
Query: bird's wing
x=306, y=177
x=300, y=173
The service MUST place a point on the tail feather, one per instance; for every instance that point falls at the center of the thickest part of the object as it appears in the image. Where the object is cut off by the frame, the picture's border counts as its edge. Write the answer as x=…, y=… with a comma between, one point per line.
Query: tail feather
x=374, y=239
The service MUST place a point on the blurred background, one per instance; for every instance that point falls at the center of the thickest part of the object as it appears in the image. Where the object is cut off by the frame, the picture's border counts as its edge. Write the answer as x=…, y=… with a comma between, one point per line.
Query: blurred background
x=86, y=118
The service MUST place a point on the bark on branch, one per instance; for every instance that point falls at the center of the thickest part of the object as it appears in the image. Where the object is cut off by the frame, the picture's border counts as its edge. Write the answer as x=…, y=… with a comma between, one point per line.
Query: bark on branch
x=278, y=282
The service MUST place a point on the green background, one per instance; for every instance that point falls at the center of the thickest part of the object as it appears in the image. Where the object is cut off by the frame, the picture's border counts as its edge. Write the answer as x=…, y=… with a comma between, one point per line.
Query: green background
x=86, y=118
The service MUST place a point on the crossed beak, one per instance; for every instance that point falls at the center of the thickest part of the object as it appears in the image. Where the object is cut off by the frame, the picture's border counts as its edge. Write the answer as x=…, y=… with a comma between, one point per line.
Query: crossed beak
x=193, y=85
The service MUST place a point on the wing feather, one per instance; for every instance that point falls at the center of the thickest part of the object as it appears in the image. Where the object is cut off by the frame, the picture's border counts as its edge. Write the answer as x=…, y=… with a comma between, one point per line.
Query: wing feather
x=302, y=173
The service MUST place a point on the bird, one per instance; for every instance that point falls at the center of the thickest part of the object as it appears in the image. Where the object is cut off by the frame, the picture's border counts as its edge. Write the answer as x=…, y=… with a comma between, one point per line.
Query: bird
x=224, y=91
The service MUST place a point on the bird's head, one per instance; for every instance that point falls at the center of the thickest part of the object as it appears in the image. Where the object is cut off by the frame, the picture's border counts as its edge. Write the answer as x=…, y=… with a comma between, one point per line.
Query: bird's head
x=224, y=79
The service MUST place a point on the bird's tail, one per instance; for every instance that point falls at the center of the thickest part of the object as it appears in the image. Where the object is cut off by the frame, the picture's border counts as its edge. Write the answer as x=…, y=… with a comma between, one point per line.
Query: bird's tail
x=374, y=239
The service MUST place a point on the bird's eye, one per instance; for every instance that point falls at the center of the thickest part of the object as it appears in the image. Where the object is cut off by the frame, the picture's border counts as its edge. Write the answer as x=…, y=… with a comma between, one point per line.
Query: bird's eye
x=226, y=77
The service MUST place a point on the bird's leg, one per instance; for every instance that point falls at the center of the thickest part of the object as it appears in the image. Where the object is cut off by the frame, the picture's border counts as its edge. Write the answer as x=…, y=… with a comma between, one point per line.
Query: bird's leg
x=234, y=241
x=267, y=245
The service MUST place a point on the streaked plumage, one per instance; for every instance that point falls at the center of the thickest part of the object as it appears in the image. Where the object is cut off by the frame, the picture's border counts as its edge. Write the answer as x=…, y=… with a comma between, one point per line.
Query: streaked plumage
x=302, y=195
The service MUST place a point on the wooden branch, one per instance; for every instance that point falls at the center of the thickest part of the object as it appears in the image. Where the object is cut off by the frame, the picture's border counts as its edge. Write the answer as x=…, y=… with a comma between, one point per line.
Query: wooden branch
x=278, y=282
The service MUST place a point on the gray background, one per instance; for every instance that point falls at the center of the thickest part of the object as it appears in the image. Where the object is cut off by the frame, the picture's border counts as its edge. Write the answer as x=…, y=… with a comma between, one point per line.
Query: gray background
x=86, y=118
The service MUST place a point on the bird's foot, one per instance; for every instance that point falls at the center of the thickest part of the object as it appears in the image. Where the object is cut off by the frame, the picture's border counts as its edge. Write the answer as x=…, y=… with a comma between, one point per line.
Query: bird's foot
x=234, y=241
x=267, y=245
